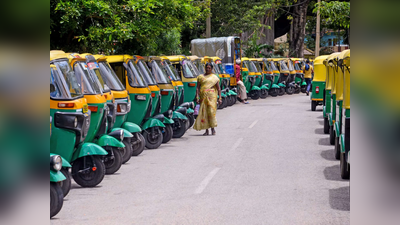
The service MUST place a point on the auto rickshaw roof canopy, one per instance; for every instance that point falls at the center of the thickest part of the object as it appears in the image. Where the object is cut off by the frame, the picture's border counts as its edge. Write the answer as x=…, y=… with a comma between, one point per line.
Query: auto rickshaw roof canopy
x=332, y=57
x=193, y=57
x=57, y=54
x=118, y=58
x=320, y=69
x=175, y=58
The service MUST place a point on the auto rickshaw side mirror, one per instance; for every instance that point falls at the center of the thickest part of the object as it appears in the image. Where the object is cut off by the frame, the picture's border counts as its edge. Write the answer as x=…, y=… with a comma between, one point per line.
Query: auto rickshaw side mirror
x=52, y=88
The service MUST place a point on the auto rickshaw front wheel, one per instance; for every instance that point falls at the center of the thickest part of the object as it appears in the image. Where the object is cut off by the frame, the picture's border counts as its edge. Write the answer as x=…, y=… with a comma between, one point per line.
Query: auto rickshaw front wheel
x=304, y=89
x=167, y=134
x=88, y=171
x=264, y=93
x=179, y=128
x=126, y=152
x=56, y=199
x=273, y=92
x=290, y=90
x=138, y=143
x=255, y=94
x=191, y=119
x=326, y=125
x=337, y=148
x=281, y=91
x=65, y=184
x=331, y=135
x=113, y=160
x=313, y=105
x=344, y=167
x=153, y=137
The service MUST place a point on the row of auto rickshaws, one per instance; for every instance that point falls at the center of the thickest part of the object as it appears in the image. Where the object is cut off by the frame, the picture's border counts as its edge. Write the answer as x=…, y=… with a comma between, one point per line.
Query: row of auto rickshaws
x=331, y=89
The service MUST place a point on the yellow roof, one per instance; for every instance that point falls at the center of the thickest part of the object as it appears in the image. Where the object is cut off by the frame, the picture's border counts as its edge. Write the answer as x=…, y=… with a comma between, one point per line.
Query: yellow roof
x=320, y=59
x=174, y=58
x=332, y=56
x=57, y=54
x=118, y=58
x=193, y=57
x=213, y=58
x=344, y=54
x=245, y=59
x=276, y=59
x=255, y=59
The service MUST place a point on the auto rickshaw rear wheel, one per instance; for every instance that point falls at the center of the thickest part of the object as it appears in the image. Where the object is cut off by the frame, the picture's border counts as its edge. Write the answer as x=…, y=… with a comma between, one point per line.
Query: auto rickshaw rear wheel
x=344, y=167
x=167, y=133
x=65, y=184
x=290, y=90
x=138, y=143
x=113, y=160
x=126, y=152
x=304, y=89
x=264, y=93
x=153, y=137
x=273, y=92
x=331, y=135
x=281, y=91
x=179, y=128
x=191, y=119
x=88, y=171
x=314, y=105
x=337, y=148
x=255, y=94
x=326, y=125
x=56, y=199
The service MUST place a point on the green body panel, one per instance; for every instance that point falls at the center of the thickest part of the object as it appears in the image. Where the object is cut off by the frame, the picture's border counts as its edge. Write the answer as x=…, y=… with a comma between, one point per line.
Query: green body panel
x=266, y=81
x=330, y=119
x=276, y=78
x=178, y=115
x=166, y=101
x=189, y=110
x=258, y=80
x=340, y=119
x=304, y=83
x=65, y=163
x=328, y=102
x=347, y=113
x=255, y=88
x=106, y=140
x=297, y=80
x=321, y=85
x=223, y=95
x=86, y=149
x=275, y=86
x=333, y=110
x=168, y=120
x=151, y=122
x=155, y=102
x=127, y=134
x=324, y=111
x=119, y=120
x=56, y=176
x=190, y=92
x=62, y=141
x=131, y=127
x=232, y=92
x=337, y=130
x=264, y=87
x=138, y=108
x=95, y=120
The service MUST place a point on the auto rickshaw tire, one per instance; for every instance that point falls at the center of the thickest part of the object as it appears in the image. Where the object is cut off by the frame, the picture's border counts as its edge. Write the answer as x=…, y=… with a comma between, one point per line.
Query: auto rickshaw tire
x=56, y=199
x=113, y=164
x=97, y=174
x=273, y=92
x=331, y=135
x=263, y=94
x=303, y=89
x=167, y=135
x=191, y=119
x=326, y=126
x=224, y=102
x=138, y=148
x=65, y=184
x=313, y=105
x=281, y=91
x=150, y=142
x=290, y=90
x=234, y=99
x=187, y=124
x=127, y=151
x=179, y=129
x=255, y=94
x=344, y=171
x=337, y=148
x=229, y=101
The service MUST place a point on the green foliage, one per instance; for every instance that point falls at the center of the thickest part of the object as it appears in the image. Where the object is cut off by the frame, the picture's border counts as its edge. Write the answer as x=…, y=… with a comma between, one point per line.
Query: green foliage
x=336, y=13
x=253, y=49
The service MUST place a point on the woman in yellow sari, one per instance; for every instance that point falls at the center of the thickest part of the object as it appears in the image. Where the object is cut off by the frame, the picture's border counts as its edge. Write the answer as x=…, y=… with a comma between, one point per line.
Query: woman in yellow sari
x=208, y=90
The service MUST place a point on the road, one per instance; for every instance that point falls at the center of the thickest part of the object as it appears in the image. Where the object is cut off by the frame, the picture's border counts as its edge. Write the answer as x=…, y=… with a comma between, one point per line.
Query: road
x=269, y=163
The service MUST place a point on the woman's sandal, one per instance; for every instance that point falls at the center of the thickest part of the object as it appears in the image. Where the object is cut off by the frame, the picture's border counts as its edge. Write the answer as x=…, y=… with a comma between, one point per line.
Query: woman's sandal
x=213, y=132
x=206, y=133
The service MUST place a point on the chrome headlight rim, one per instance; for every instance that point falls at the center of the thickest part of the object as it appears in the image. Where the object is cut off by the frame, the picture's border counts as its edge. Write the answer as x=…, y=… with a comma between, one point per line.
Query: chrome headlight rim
x=56, y=162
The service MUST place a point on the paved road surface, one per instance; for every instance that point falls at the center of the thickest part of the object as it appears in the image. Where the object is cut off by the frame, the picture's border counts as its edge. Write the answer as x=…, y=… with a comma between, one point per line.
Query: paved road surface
x=269, y=163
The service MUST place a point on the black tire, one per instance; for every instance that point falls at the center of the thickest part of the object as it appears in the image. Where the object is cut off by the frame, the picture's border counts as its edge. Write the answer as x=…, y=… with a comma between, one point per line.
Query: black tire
x=153, y=140
x=326, y=126
x=344, y=167
x=191, y=119
x=127, y=151
x=331, y=135
x=56, y=199
x=264, y=93
x=273, y=92
x=88, y=178
x=113, y=161
x=65, y=184
x=167, y=134
x=255, y=94
x=138, y=144
x=313, y=105
x=337, y=148
x=234, y=99
x=290, y=90
x=281, y=91
x=229, y=100
x=179, y=128
x=224, y=102
x=304, y=89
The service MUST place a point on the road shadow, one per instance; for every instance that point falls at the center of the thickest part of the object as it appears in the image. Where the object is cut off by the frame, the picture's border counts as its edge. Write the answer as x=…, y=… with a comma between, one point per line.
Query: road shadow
x=321, y=122
x=320, y=117
x=328, y=155
x=333, y=173
x=77, y=186
x=324, y=141
x=339, y=198
x=319, y=131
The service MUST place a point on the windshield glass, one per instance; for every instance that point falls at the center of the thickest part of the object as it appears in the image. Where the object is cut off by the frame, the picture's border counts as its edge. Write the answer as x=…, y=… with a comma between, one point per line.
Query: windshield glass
x=66, y=81
x=273, y=66
x=188, y=71
x=221, y=68
x=110, y=77
x=136, y=79
x=267, y=66
x=283, y=65
x=171, y=71
x=148, y=77
x=94, y=72
x=157, y=67
x=257, y=64
x=192, y=67
x=253, y=67
x=297, y=66
x=201, y=67
x=88, y=84
x=290, y=63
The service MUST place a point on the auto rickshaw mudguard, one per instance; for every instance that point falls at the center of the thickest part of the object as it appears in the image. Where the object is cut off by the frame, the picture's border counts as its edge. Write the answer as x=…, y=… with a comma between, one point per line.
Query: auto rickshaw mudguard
x=324, y=111
x=151, y=122
x=281, y=85
x=56, y=176
x=342, y=149
x=86, y=149
x=304, y=83
x=223, y=95
x=232, y=92
x=255, y=88
x=107, y=140
x=168, y=120
x=330, y=119
x=127, y=134
x=132, y=127
x=189, y=110
x=265, y=86
x=178, y=115
x=275, y=86
x=337, y=131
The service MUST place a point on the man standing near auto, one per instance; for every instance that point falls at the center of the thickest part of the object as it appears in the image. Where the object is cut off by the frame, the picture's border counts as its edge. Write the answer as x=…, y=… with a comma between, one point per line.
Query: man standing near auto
x=308, y=70
x=242, y=97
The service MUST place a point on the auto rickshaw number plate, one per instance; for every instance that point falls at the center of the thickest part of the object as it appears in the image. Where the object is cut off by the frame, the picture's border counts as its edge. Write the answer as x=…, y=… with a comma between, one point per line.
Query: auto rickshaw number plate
x=85, y=108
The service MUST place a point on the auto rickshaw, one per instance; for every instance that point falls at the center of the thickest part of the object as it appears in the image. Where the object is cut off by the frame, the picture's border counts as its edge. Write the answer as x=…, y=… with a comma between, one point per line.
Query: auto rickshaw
x=283, y=74
x=344, y=127
x=275, y=88
x=133, y=139
x=301, y=85
x=291, y=86
x=250, y=77
x=197, y=62
x=103, y=113
x=56, y=177
x=130, y=75
x=318, y=82
x=328, y=97
x=265, y=81
x=71, y=123
x=230, y=91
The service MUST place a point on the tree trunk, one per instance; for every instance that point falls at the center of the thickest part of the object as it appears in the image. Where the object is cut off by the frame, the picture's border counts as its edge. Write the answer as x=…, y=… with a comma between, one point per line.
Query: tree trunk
x=296, y=47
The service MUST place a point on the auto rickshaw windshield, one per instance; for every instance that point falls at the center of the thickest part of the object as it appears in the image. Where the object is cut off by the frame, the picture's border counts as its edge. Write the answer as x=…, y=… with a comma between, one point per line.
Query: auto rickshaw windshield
x=201, y=67
x=135, y=78
x=188, y=70
x=297, y=66
x=94, y=72
x=171, y=71
x=159, y=72
x=267, y=66
x=221, y=68
x=273, y=66
x=64, y=87
x=88, y=83
x=283, y=65
x=146, y=73
x=193, y=67
x=258, y=67
x=290, y=63
x=110, y=77
x=252, y=67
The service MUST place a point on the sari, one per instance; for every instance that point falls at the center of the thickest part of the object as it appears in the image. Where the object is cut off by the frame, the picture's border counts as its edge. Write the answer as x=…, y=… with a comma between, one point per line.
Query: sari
x=208, y=102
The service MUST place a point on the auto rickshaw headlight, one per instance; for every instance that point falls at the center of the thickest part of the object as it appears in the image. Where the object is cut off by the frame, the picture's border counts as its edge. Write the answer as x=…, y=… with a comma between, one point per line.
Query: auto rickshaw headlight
x=192, y=105
x=56, y=162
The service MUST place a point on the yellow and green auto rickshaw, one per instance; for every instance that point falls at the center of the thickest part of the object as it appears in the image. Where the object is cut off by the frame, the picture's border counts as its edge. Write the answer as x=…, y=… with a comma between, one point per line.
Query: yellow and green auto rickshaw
x=283, y=74
x=97, y=93
x=275, y=88
x=265, y=81
x=301, y=85
x=71, y=123
x=230, y=91
x=291, y=86
x=197, y=62
x=344, y=127
x=133, y=139
x=318, y=82
x=250, y=76
x=141, y=98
